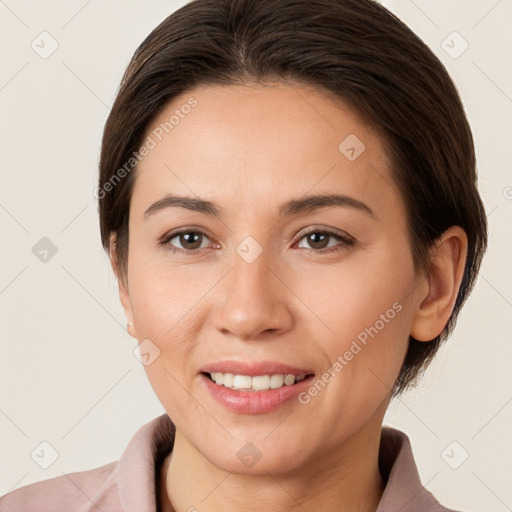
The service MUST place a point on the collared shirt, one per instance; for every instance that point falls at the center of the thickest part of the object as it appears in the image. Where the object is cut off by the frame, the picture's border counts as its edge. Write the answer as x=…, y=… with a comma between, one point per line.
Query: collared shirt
x=130, y=484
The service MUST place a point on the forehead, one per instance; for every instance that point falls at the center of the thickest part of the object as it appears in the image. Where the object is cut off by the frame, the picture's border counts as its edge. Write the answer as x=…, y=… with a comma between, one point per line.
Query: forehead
x=251, y=142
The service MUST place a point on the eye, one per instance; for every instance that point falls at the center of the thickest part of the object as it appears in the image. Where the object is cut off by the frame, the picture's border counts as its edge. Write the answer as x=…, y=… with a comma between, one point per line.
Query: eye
x=190, y=240
x=319, y=241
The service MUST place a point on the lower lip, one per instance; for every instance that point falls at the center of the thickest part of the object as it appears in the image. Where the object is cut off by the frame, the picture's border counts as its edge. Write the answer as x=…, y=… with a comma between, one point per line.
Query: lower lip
x=255, y=402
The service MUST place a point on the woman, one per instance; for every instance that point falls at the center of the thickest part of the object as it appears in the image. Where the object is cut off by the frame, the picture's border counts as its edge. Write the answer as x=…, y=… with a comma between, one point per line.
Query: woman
x=288, y=197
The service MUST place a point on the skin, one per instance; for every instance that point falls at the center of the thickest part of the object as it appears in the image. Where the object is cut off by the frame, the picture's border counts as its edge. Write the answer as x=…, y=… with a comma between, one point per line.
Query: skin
x=249, y=148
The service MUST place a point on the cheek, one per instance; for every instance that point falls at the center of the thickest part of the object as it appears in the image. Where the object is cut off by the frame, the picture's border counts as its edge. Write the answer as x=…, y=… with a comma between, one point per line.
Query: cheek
x=165, y=311
x=366, y=309
x=163, y=296
x=369, y=342
x=365, y=358
x=358, y=293
x=163, y=314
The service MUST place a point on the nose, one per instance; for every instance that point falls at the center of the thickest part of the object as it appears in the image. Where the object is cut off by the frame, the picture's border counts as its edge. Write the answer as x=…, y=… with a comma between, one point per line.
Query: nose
x=253, y=301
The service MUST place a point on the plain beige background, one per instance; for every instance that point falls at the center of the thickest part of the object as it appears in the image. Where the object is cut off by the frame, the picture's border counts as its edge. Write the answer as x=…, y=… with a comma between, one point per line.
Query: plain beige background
x=68, y=373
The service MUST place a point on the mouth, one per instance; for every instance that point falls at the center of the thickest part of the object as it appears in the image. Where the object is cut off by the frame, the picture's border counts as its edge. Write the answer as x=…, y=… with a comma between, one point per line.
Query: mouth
x=254, y=383
x=254, y=387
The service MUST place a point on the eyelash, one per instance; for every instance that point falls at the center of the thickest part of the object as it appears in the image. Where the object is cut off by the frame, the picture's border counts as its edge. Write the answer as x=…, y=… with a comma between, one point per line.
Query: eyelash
x=346, y=241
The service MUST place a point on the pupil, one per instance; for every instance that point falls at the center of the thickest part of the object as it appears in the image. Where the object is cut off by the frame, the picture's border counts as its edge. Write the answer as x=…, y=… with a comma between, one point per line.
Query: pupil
x=188, y=237
x=313, y=238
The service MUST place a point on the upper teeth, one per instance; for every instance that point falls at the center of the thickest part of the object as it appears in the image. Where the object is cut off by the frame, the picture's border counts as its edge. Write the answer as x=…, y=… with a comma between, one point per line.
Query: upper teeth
x=257, y=383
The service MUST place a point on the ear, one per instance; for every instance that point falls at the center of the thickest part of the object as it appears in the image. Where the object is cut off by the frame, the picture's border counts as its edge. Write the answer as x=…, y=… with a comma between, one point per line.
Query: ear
x=447, y=262
x=124, y=294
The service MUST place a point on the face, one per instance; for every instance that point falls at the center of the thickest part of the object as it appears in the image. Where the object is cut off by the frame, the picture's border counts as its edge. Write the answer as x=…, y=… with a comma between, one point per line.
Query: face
x=257, y=274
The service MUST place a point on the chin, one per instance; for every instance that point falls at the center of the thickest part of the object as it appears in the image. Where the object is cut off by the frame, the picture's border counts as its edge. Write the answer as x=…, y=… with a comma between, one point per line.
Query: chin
x=256, y=459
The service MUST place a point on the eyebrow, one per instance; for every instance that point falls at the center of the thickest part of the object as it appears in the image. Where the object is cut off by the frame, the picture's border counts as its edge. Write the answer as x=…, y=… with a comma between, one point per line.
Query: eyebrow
x=292, y=207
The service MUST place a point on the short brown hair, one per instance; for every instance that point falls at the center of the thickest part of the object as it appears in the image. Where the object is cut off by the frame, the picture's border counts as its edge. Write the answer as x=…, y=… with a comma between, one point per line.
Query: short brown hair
x=355, y=50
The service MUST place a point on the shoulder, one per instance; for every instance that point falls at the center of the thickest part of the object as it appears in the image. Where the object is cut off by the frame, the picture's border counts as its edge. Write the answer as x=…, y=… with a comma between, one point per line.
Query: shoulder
x=128, y=483
x=403, y=490
x=82, y=491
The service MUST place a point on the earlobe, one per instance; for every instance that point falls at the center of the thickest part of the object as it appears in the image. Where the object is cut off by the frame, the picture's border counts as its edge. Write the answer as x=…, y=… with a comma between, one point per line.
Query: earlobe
x=447, y=262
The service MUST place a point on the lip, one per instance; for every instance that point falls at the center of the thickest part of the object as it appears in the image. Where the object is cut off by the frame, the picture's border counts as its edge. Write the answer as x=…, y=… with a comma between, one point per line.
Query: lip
x=254, y=368
x=255, y=402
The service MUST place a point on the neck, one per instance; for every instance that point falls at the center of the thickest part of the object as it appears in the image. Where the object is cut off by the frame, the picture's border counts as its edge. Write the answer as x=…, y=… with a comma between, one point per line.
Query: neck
x=345, y=481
